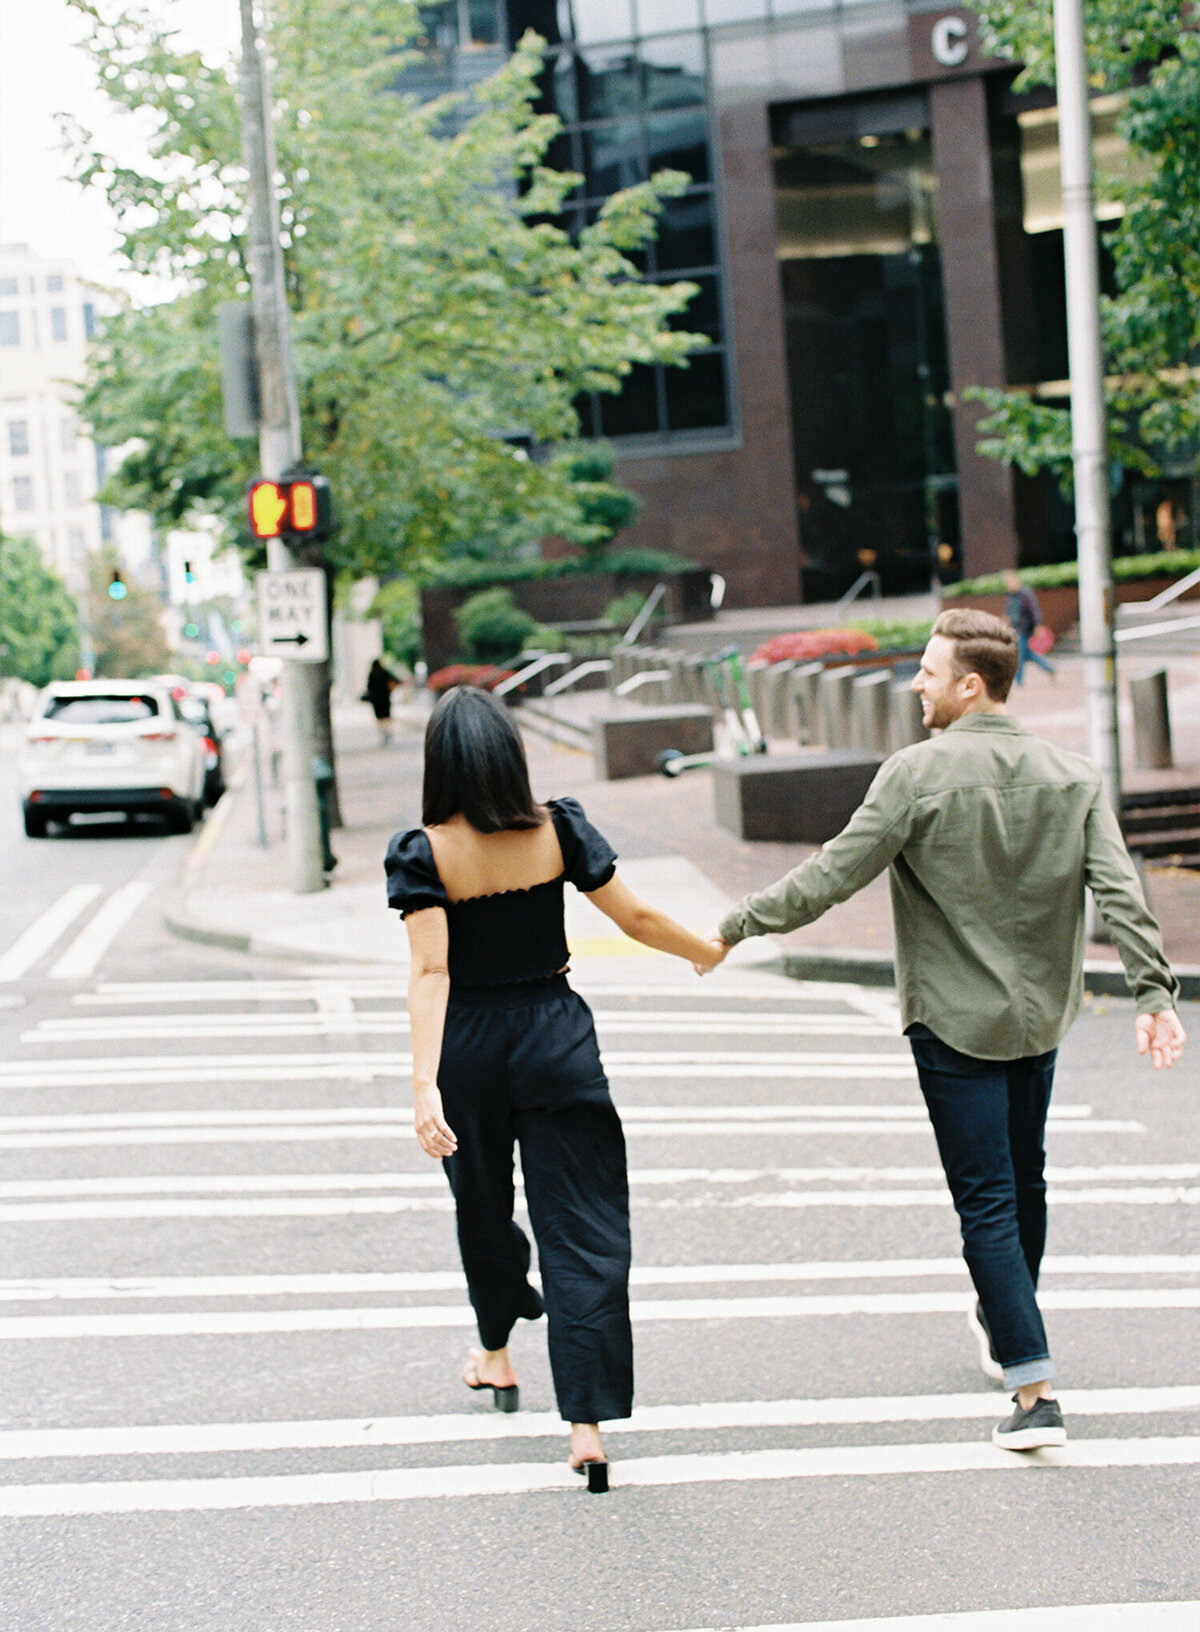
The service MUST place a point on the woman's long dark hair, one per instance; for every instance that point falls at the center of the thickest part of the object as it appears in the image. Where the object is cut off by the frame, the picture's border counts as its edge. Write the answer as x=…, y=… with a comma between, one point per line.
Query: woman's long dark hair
x=475, y=765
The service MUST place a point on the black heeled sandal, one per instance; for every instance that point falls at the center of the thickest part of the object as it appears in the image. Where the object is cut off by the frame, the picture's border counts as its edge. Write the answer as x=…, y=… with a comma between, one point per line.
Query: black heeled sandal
x=506, y=1399
x=597, y=1475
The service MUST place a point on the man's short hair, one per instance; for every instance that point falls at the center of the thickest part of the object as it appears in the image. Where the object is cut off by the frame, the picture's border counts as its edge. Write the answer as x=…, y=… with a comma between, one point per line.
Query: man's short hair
x=983, y=645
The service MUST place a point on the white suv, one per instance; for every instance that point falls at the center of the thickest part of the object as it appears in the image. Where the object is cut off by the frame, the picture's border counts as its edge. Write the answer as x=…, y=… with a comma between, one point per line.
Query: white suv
x=100, y=745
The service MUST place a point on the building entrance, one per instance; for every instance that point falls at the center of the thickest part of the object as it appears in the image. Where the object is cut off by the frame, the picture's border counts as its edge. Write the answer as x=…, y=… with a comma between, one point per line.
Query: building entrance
x=866, y=345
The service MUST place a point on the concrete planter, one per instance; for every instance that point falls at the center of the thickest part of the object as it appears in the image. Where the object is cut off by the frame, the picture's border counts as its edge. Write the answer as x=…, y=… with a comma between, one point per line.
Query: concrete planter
x=578, y=598
x=1060, y=605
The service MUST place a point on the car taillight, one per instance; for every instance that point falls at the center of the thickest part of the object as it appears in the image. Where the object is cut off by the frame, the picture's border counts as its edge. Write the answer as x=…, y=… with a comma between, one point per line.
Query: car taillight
x=41, y=739
x=210, y=746
x=158, y=736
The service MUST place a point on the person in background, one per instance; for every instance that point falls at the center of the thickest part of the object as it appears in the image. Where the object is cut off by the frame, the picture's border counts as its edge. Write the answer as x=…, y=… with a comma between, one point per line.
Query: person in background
x=503, y=1049
x=381, y=683
x=992, y=839
x=1024, y=613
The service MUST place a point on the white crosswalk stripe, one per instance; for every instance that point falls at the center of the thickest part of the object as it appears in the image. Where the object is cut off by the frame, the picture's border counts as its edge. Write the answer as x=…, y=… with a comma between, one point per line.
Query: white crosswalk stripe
x=102, y=1161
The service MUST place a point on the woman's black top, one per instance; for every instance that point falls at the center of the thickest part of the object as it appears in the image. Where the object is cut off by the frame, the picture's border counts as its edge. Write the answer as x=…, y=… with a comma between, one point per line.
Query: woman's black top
x=510, y=935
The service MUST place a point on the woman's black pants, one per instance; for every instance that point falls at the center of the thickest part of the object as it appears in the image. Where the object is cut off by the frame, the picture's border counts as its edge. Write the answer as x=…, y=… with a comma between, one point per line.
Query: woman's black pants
x=521, y=1064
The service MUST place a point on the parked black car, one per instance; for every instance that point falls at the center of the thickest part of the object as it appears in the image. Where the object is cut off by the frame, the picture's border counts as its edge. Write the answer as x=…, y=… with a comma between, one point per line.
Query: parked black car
x=196, y=712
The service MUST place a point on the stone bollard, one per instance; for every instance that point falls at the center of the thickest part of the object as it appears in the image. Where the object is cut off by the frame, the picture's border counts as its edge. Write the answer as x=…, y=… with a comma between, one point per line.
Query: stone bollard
x=756, y=685
x=776, y=718
x=906, y=723
x=693, y=677
x=804, y=704
x=675, y=664
x=835, y=697
x=1151, y=722
x=869, y=699
x=711, y=695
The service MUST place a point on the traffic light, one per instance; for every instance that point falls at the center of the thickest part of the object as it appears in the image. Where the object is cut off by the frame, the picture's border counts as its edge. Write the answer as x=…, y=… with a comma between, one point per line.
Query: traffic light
x=299, y=509
x=116, y=588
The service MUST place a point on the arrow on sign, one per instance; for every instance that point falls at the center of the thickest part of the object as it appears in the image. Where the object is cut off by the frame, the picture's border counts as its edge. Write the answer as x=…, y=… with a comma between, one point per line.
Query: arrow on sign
x=290, y=640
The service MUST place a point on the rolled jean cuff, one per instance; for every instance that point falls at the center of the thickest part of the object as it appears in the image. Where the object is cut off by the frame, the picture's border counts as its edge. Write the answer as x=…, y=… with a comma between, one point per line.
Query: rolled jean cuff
x=1026, y=1372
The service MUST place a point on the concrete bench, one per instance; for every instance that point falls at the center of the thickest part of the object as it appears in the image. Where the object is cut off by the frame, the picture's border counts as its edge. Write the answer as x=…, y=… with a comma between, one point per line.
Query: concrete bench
x=792, y=798
x=628, y=741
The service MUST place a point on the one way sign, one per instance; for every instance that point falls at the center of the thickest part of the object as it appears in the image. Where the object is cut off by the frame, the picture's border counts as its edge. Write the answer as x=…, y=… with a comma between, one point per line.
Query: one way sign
x=291, y=615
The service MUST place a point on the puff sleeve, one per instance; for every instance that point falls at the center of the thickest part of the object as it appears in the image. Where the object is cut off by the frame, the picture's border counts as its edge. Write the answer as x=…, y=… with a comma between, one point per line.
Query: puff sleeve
x=412, y=876
x=589, y=861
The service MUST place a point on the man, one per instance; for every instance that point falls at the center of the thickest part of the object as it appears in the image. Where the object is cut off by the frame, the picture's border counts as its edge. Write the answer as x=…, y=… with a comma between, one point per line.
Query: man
x=991, y=836
x=1025, y=615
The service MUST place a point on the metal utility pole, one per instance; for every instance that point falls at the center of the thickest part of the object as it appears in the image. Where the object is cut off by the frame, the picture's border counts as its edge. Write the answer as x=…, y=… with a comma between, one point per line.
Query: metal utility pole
x=1089, y=438
x=278, y=438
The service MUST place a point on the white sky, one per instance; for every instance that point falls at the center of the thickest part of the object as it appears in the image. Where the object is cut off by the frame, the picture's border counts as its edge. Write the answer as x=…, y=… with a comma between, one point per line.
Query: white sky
x=42, y=71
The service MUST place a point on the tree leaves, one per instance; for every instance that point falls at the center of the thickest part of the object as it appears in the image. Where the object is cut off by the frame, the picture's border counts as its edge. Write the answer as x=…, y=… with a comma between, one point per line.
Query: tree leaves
x=1152, y=325
x=443, y=320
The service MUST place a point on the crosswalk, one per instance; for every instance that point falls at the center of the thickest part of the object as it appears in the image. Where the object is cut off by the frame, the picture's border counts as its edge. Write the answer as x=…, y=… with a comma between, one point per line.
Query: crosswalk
x=198, y=1173
x=82, y=955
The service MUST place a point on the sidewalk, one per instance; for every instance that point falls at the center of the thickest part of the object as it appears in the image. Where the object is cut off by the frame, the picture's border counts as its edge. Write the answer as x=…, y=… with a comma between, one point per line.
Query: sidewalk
x=235, y=893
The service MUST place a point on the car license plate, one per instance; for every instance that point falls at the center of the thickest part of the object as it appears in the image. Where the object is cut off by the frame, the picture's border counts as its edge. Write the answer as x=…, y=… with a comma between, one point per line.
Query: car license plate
x=99, y=747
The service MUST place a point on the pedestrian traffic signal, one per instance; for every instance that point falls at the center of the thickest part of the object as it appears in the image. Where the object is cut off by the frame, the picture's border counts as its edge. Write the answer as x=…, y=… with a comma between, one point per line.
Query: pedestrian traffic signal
x=268, y=509
x=116, y=589
x=301, y=508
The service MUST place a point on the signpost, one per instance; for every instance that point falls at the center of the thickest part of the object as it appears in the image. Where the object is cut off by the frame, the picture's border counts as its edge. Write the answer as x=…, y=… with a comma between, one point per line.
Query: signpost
x=292, y=619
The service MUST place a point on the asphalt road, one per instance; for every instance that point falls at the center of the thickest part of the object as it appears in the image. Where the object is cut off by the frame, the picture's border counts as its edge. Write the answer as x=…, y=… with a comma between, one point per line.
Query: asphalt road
x=231, y=1323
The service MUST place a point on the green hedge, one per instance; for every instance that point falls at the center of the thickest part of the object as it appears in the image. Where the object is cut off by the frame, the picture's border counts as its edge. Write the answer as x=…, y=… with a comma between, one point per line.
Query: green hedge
x=469, y=574
x=1164, y=564
x=896, y=636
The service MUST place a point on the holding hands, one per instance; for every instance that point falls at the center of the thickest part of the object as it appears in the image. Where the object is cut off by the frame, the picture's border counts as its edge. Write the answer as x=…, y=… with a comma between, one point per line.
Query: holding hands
x=719, y=951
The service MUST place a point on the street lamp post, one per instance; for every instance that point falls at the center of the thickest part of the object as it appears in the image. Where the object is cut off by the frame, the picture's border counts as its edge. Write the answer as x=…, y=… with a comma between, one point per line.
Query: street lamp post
x=1089, y=439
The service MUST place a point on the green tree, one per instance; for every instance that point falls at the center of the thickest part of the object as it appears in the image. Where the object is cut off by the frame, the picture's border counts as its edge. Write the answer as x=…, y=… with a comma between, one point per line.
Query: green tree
x=39, y=623
x=438, y=312
x=1148, y=51
x=127, y=635
x=604, y=507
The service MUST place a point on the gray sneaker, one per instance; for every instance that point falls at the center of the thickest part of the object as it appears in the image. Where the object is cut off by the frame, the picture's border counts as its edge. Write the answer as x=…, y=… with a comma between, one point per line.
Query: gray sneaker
x=1030, y=1430
x=988, y=1362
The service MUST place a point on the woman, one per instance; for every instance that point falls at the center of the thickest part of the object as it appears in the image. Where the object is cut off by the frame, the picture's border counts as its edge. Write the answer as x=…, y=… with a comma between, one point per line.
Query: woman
x=381, y=683
x=503, y=1049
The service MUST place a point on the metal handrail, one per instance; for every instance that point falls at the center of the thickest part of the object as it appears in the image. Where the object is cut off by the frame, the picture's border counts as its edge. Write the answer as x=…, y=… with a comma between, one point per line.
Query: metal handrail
x=643, y=618
x=1172, y=627
x=539, y=665
x=636, y=680
x=857, y=587
x=594, y=665
x=1172, y=593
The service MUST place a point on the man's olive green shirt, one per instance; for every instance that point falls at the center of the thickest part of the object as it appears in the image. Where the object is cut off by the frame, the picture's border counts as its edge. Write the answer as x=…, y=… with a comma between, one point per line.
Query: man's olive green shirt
x=991, y=836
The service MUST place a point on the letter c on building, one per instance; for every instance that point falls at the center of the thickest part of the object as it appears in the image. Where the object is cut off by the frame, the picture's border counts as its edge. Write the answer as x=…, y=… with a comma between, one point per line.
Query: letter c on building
x=949, y=41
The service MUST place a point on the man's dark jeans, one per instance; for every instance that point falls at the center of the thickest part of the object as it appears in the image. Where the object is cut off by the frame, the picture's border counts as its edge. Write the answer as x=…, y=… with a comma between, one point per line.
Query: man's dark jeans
x=989, y=1118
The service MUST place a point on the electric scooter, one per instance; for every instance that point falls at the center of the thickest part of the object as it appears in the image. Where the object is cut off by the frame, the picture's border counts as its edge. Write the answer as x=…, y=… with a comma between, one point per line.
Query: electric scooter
x=737, y=710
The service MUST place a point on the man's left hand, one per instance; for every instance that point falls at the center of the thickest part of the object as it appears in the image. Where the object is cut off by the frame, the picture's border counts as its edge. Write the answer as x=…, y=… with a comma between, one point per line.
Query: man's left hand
x=1161, y=1036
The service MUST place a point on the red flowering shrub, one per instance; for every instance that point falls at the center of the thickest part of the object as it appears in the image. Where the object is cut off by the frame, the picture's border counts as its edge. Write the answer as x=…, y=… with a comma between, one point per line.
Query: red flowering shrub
x=812, y=643
x=484, y=675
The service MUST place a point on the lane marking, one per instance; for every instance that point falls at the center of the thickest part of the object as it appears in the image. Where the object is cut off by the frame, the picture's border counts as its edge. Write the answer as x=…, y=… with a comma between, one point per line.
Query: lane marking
x=224, y=1438
x=434, y=1179
x=204, y=991
x=42, y=934
x=1151, y=1617
x=361, y=1318
x=360, y=1283
x=731, y=1065
x=401, y=1115
x=333, y=1022
x=317, y=1206
x=94, y=940
x=407, y=1484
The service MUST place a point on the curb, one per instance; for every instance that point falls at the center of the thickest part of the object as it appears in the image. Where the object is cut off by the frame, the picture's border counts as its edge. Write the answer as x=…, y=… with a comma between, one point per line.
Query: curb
x=878, y=969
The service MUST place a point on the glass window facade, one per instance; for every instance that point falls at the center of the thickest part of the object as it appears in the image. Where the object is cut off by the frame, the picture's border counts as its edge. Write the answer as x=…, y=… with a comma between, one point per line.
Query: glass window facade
x=10, y=328
x=629, y=81
x=18, y=438
x=633, y=103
